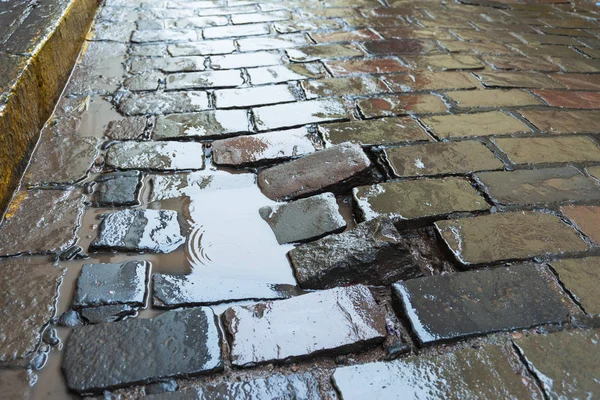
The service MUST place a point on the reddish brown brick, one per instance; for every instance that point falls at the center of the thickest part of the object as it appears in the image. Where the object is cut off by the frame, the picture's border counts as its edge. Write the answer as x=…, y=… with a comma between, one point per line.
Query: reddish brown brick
x=544, y=150
x=374, y=66
x=579, y=81
x=556, y=98
x=561, y=122
x=401, y=105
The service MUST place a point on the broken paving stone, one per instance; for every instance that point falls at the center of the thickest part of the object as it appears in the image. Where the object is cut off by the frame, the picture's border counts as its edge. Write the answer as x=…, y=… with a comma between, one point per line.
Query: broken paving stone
x=102, y=314
x=58, y=159
x=117, y=189
x=304, y=176
x=155, y=231
x=374, y=131
x=299, y=113
x=508, y=236
x=41, y=222
x=180, y=343
x=414, y=199
x=581, y=276
x=263, y=148
x=460, y=373
x=373, y=253
x=164, y=103
x=445, y=307
x=28, y=294
x=129, y=128
x=565, y=363
x=332, y=321
x=170, y=291
x=304, y=219
x=160, y=156
x=205, y=125
x=161, y=388
x=539, y=186
x=110, y=284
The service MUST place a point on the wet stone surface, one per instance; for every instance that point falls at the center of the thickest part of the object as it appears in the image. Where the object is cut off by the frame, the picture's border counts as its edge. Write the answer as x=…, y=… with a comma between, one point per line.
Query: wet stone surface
x=155, y=156
x=164, y=103
x=300, y=113
x=129, y=128
x=117, y=189
x=184, y=343
x=374, y=132
x=304, y=219
x=204, y=125
x=581, y=276
x=334, y=320
x=446, y=307
x=16, y=384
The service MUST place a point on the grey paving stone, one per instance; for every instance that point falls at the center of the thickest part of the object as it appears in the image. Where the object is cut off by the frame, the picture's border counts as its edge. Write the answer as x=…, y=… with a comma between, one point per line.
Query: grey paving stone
x=342, y=162
x=304, y=219
x=373, y=253
x=566, y=363
x=299, y=113
x=127, y=128
x=204, y=80
x=161, y=156
x=149, y=66
x=245, y=60
x=374, y=131
x=332, y=321
x=235, y=31
x=174, y=344
x=253, y=96
x=102, y=314
x=164, y=103
x=205, y=48
x=165, y=35
x=156, y=231
x=445, y=307
x=108, y=284
x=117, y=189
x=484, y=373
x=286, y=73
x=205, y=125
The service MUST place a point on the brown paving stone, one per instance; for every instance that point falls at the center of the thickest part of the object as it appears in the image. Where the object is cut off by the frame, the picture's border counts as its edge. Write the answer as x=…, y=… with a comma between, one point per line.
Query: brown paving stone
x=364, y=66
x=594, y=53
x=443, y=62
x=493, y=98
x=544, y=50
x=556, y=98
x=374, y=132
x=455, y=46
x=299, y=113
x=352, y=86
x=441, y=158
x=431, y=81
x=306, y=25
x=534, y=39
x=508, y=236
x=400, y=105
x=482, y=36
x=345, y=36
x=581, y=276
x=253, y=96
x=479, y=124
x=532, y=80
x=561, y=122
x=521, y=63
x=542, y=150
x=324, y=52
x=579, y=81
x=401, y=46
x=587, y=218
x=206, y=125
x=577, y=64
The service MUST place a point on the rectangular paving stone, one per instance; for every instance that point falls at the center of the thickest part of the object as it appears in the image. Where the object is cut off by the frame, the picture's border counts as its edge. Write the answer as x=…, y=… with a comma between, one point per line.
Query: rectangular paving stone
x=538, y=186
x=446, y=307
x=543, y=150
x=374, y=131
x=401, y=46
x=253, y=96
x=402, y=105
x=512, y=63
x=245, y=60
x=324, y=52
x=455, y=46
x=493, y=98
x=272, y=42
x=196, y=22
x=286, y=73
x=581, y=277
x=415, y=82
x=345, y=36
x=117, y=189
x=333, y=321
x=205, y=48
x=299, y=113
x=532, y=80
x=206, y=125
x=415, y=199
x=586, y=218
x=250, y=18
x=154, y=155
x=443, y=62
x=570, y=99
x=217, y=32
x=166, y=35
x=439, y=376
x=441, y=158
x=478, y=124
x=364, y=66
x=204, y=80
x=353, y=86
x=167, y=64
x=579, y=81
x=559, y=122
x=343, y=162
x=188, y=342
x=508, y=236
x=564, y=362
x=164, y=103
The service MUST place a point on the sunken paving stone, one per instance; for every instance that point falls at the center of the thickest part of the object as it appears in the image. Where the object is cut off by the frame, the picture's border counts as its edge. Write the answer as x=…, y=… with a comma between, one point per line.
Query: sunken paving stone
x=446, y=307
x=304, y=176
x=299, y=113
x=561, y=122
x=117, y=189
x=581, y=277
x=333, y=321
x=28, y=294
x=61, y=160
x=41, y=222
x=155, y=231
x=587, y=218
x=180, y=343
x=408, y=200
x=539, y=186
x=441, y=158
x=304, y=219
x=565, y=363
x=374, y=132
x=265, y=147
x=402, y=105
x=480, y=124
x=110, y=284
x=170, y=291
x=460, y=373
x=205, y=125
x=164, y=103
x=204, y=80
x=254, y=96
x=373, y=253
x=493, y=98
x=508, y=236
x=547, y=150
x=161, y=156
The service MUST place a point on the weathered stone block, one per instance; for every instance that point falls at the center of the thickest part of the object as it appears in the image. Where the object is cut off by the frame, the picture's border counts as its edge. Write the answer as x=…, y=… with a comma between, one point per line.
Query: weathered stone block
x=117, y=189
x=581, y=277
x=205, y=125
x=160, y=156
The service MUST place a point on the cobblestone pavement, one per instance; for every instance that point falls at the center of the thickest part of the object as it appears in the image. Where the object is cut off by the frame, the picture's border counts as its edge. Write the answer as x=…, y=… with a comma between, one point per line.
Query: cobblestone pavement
x=340, y=199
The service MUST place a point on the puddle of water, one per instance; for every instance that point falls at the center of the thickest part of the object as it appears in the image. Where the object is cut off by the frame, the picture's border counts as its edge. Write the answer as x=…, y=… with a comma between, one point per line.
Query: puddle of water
x=97, y=116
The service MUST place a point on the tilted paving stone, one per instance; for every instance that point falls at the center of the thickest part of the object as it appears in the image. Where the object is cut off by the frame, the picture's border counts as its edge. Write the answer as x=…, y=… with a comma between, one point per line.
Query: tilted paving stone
x=508, y=236
x=205, y=125
x=414, y=82
x=185, y=343
x=286, y=73
x=204, y=48
x=479, y=124
x=253, y=96
x=155, y=231
x=332, y=321
x=372, y=253
x=41, y=222
x=203, y=80
x=164, y=103
x=539, y=186
x=374, y=132
x=110, y=284
x=586, y=218
x=117, y=189
x=581, y=277
x=28, y=294
x=415, y=199
x=459, y=373
x=161, y=156
x=560, y=122
x=566, y=363
x=265, y=147
x=304, y=219
x=547, y=150
x=402, y=105
x=343, y=161
x=299, y=113
x=446, y=307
